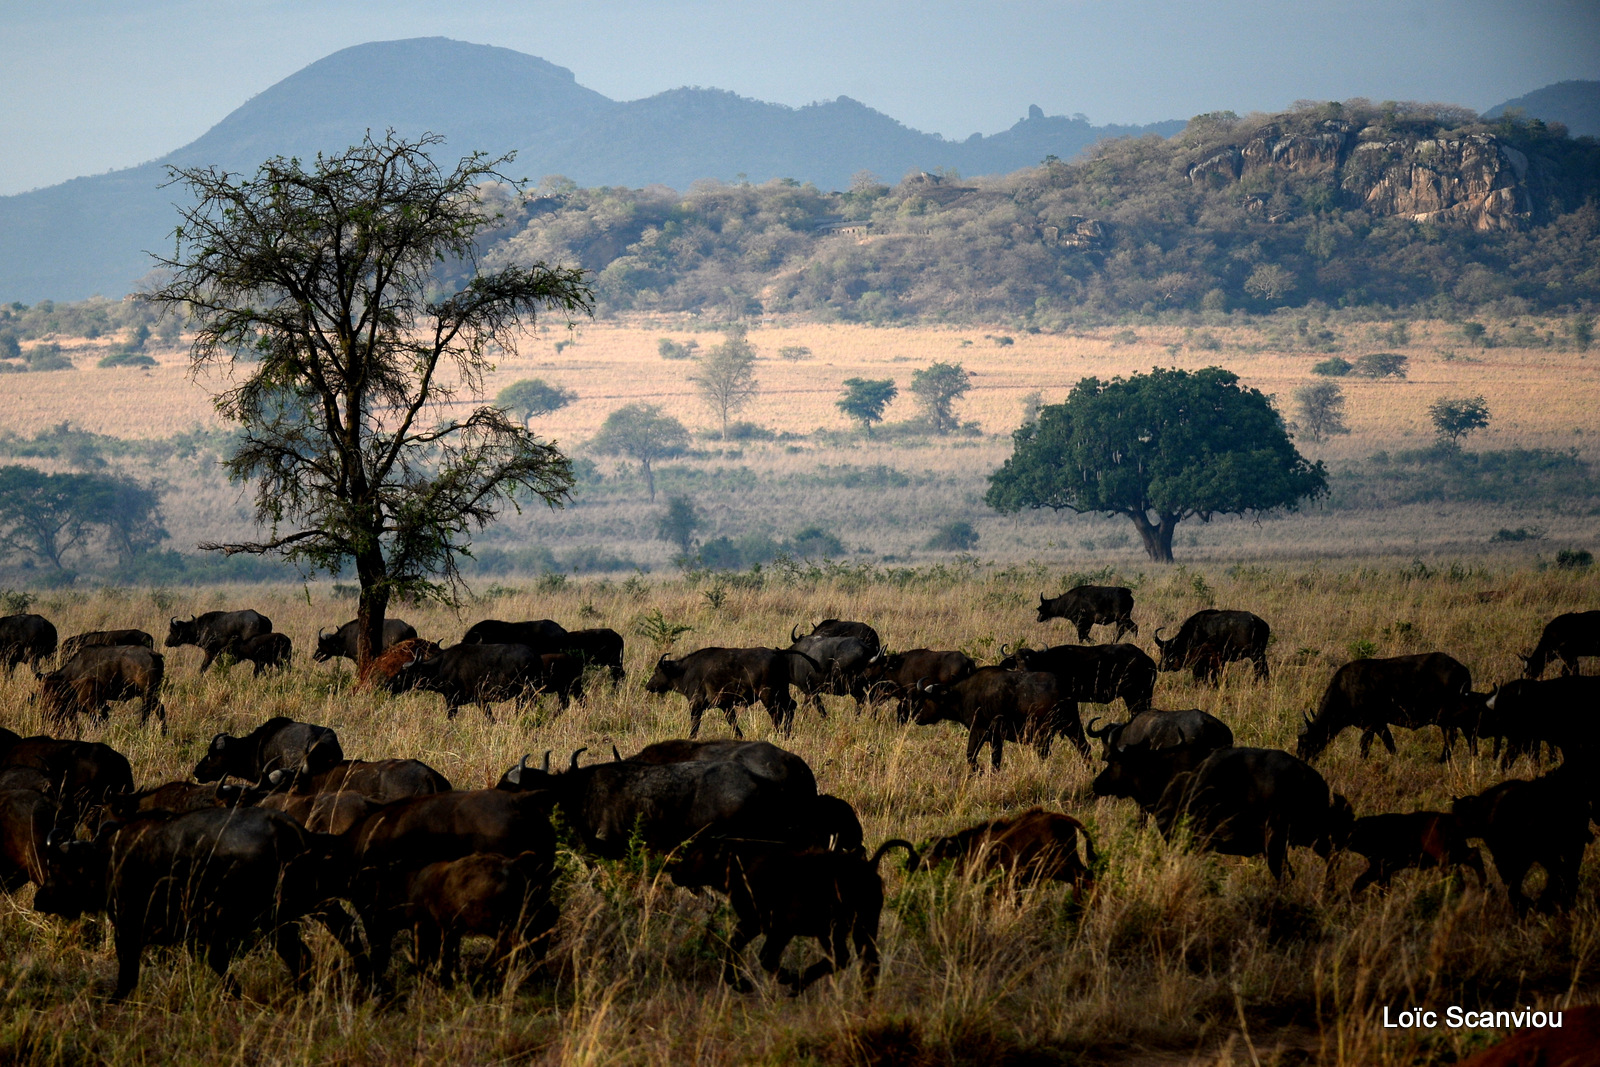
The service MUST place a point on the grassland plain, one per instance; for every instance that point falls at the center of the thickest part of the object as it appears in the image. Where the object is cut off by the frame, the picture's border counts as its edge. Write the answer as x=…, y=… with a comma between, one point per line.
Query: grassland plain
x=1178, y=958
x=884, y=496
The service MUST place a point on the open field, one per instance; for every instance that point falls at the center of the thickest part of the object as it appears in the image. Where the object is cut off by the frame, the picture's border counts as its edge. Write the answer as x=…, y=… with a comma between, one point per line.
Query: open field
x=1178, y=959
x=884, y=497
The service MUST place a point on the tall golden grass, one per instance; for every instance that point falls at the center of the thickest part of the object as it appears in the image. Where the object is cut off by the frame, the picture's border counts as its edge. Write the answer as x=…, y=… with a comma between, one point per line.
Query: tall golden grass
x=1178, y=958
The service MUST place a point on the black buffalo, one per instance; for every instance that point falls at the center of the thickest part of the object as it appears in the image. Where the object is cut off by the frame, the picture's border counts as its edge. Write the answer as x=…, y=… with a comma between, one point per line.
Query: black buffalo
x=1430, y=689
x=217, y=632
x=475, y=674
x=1209, y=639
x=1253, y=802
x=105, y=637
x=1543, y=822
x=1422, y=839
x=265, y=650
x=25, y=639
x=897, y=676
x=380, y=781
x=1036, y=845
x=1097, y=674
x=503, y=897
x=840, y=665
x=541, y=635
x=1145, y=753
x=1565, y=637
x=843, y=628
x=1088, y=606
x=280, y=743
x=27, y=816
x=998, y=705
x=745, y=789
x=728, y=679
x=76, y=775
x=99, y=674
x=597, y=647
x=214, y=879
x=1563, y=713
x=342, y=643
x=385, y=849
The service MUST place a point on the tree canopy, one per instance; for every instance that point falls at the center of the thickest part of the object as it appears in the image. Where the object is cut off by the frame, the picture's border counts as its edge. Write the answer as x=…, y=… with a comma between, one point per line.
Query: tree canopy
x=1158, y=448
x=727, y=377
x=643, y=434
x=1455, y=419
x=937, y=388
x=531, y=398
x=49, y=516
x=347, y=298
x=865, y=398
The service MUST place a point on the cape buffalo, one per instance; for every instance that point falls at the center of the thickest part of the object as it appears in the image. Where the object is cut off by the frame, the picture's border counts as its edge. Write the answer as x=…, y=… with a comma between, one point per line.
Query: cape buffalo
x=26, y=818
x=597, y=647
x=541, y=635
x=998, y=705
x=474, y=674
x=380, y=781
x=1034, y=846
x=1565, y=637
x=1544, y=822
x=503, y=897
x=382, y=670
x=1419, y=839
x=835, y=897
x=1088, y=606
x=265, y=650
x=1209, y=639
x=840, y=661
x=99, y=674
x=25, y=638
x=843, y=628
x=280, y=743
x=217, y=632
x=105, y=637
x=1256, y=801
x=213, y=879
x=79, y=774
x=728, y=679
x=1563, y=713
x=1371, y=695
x=343, y=642
x=897, y=676
x=1145, y=753
x=1097, y=674
x=760, y=792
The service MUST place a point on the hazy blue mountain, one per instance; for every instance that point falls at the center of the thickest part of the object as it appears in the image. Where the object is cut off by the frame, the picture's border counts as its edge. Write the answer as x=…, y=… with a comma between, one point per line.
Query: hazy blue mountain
x=89, y=235
x=1576, y=104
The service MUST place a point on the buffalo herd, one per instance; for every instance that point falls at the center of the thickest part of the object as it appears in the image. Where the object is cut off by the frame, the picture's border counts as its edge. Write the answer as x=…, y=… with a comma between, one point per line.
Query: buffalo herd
x=279, y=826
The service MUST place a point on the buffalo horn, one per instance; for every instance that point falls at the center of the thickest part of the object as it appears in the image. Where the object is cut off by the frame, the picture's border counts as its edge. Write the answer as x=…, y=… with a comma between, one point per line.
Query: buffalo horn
x=794, y=633
x=55, y=839
x=1097, y=734
x=1043, y=599
x=616, y=757
x=321, y=636
x=1492, y=698
x=174, y=620
x=1003, y=652
x=575, y=754
x=1306, y=715
x=547, y=761
x=662, y=659
x=1159, y=643
x=877, y=657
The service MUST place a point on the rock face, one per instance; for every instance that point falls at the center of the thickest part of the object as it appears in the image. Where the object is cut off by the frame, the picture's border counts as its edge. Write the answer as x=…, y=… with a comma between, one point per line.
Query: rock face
x=1473, y=180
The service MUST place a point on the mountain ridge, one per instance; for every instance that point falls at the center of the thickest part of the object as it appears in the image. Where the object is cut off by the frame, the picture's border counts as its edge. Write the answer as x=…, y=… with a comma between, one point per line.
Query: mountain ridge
x=90, y=234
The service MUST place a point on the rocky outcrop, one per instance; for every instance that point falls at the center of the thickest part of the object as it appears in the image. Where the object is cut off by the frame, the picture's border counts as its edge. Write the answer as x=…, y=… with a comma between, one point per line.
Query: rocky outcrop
x=1472, y=180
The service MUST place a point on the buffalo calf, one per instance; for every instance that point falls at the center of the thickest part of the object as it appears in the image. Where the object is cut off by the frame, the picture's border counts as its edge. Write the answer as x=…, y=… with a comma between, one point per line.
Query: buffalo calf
x=1544, y=822
x=1422, y=839
x=1037, y=845
x=503, y=897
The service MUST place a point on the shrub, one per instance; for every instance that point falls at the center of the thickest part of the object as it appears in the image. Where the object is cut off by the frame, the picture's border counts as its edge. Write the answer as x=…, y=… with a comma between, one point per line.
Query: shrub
x=1337, y=367
x=671, y=349
x=1521, y=533
x=794, y=353
x=954, y=537
x=1574, y=559
x=1381, y=365
x=126, y=358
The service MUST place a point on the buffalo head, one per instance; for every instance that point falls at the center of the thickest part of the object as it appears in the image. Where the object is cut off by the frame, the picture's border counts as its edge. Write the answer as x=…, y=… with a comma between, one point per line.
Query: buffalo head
x=328, y=645
x=213, y=766
x=667, y=671
x=182, y=631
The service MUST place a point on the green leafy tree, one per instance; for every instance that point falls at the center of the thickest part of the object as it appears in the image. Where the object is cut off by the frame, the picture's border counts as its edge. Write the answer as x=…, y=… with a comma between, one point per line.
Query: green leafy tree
x=643, y=434
x=46, y=516
x=937, y=388
x=328, y=293
x=1270, y=282
x=865, y=399
x=679, y=523
x=1455, y=419
x=1157, y=448
x=532, y=398
x=1321, y=409
x=727, y=377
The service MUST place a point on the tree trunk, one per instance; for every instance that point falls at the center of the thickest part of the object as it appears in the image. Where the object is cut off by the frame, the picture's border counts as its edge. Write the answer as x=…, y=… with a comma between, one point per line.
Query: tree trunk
x=649, y=478
x=370, y=609
x=1157, y=536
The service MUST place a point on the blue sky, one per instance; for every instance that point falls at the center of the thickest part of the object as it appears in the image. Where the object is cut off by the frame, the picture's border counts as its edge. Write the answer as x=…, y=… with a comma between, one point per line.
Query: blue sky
x=92, y=85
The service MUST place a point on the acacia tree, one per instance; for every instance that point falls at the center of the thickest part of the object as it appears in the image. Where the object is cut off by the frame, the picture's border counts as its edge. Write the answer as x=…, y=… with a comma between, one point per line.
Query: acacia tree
x=641, y=432
x=1158, y=448
x=1321, y=406
x=727, y=377
x=937, y=388
x=532, y=398
x=323, y=291
x=865, y=398
x=1455, y=419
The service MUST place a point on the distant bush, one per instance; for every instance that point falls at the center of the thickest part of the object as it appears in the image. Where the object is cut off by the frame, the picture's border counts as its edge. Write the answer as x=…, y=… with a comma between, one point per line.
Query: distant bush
x=126, y=358
x=1574, y=559
x=794, y=353
x=1521, y=533
x=670, y=349
x=1337, y=367
x=1207, y=341
x=954, y=537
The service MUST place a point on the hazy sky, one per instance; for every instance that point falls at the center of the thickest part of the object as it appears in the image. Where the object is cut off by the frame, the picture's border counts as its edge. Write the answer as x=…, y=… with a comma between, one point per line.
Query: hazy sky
x=92, y=85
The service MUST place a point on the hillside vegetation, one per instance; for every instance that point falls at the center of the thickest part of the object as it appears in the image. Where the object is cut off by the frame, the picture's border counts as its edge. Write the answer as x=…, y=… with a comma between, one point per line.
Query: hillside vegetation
x=1414, y=207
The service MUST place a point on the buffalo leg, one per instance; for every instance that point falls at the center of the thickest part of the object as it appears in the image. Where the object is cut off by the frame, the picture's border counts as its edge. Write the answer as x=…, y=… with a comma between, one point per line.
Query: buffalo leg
x=866, y=937
x=772, y=954
x=743, y=934
x=1387, y=738
x=696, y=710
x=342, y=926
x=292, y=951
x=129, y=947
x=1083, y=631
x=1277, y=853
x=1375, y=873
x=731, y=713
x=1260, y=660
x=1512, y=866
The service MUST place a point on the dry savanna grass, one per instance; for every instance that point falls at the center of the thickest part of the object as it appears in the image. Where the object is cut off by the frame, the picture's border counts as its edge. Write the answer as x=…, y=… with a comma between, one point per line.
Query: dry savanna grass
x=1538, y=397
x=1178, y=958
